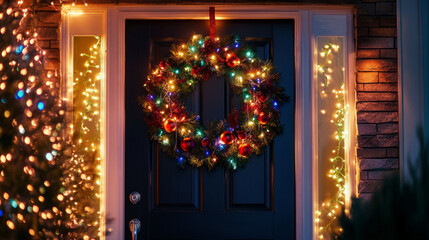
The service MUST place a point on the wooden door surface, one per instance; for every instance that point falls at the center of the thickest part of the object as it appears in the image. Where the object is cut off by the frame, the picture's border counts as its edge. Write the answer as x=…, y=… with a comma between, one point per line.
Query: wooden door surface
x=255, y=202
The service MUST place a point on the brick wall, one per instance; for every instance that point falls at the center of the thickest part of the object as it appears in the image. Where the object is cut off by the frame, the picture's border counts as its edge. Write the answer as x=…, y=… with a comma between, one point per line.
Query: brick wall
x=376, y=66
x=48, y=21
x=377, y=93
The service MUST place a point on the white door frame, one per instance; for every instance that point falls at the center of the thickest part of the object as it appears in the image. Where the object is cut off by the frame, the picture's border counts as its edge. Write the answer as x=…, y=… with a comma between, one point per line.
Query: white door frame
x=113, y=110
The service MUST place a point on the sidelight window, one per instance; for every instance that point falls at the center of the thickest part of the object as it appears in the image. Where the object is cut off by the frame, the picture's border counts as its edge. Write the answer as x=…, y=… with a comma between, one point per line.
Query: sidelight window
x=332, y=123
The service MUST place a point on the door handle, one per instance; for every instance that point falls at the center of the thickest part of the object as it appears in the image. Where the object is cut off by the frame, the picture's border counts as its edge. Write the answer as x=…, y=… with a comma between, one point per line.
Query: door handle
x=135, y=197
x=135, y=228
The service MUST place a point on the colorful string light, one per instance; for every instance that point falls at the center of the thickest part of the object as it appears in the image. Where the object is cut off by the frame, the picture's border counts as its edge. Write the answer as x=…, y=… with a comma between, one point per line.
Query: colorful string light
x=31, y=149
x=230, y=142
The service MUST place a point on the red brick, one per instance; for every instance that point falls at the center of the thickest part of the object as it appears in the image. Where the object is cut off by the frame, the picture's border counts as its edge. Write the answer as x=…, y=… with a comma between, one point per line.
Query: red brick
x=52, y=64
x=387, y=21
x=45, y=7
x=55, y=44
x=375, y=42
x=372, y=65
x=46, y=33
x=368, y=53
x=385, y=8
x=377, y=164
x=377, y=106
x=362, y=32
x=377, y=117
x=380, y=175
x=359, y=87
x=389, y=77
x=365, y=197
x=100, y=1
x=48, y=18
x=382, y=32
x=371, y=152
x=43, y=44
x=52, y=53
x=388, y=128
x=363, y=175
x=149, y=1
x=376, y=97
x=379, y=141
x=381, y=87
x=369, y=186
x=368, y=21
x=366, y=9
x=367, y=77
x=389, y=53
x=367, y=129
x=392, y=152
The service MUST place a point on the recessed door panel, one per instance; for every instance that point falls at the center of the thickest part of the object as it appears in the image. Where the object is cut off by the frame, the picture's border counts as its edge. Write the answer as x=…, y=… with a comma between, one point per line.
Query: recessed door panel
x=255, y=202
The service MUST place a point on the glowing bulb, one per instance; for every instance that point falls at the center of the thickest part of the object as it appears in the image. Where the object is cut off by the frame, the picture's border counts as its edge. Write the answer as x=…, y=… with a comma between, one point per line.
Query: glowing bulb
x=40, y=106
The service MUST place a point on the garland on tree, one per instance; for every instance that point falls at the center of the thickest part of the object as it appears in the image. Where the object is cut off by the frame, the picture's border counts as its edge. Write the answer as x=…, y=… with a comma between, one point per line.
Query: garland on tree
x=229, y=142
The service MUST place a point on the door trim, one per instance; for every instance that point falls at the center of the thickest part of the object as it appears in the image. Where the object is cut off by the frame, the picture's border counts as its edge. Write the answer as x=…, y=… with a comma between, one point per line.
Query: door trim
x=114, y=110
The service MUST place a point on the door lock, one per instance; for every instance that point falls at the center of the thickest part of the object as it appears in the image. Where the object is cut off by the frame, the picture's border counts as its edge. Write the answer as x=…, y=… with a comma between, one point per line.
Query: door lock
x=135, y=226
x=135, y=197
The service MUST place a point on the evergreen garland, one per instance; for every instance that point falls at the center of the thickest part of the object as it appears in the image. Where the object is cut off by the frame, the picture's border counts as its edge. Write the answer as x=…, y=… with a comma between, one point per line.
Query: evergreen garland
x=229, y=142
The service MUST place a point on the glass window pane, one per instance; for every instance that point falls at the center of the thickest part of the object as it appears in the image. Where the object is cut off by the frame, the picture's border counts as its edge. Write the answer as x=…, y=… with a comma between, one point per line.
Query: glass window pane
x=83, y=182
x=330, y=134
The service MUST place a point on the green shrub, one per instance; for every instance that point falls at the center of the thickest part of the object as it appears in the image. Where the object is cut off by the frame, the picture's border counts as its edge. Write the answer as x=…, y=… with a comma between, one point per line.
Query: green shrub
x=399, y=210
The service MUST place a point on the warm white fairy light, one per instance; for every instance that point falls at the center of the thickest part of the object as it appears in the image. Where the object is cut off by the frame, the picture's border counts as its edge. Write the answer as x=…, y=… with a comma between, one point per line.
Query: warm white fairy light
x=326, y=215
x=84, y=168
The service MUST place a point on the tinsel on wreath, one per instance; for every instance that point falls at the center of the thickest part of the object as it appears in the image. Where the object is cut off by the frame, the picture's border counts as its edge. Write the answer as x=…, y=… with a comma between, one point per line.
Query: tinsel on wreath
x=30, y=135
x=177, y=76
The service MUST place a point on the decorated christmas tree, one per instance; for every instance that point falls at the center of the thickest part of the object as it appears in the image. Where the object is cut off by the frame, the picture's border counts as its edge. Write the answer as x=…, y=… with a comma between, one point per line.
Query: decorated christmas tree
x=31, y=123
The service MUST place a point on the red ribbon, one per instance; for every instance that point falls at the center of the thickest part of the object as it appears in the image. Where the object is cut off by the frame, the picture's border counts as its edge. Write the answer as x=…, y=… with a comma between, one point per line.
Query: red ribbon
x=212, y=22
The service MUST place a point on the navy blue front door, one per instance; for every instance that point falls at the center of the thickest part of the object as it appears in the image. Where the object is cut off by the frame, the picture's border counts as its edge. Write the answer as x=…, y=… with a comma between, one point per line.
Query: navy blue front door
x=256, y=202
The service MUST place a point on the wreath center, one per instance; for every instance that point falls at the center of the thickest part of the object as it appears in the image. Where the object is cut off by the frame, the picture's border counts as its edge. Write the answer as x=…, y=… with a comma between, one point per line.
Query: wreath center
x=230, y=142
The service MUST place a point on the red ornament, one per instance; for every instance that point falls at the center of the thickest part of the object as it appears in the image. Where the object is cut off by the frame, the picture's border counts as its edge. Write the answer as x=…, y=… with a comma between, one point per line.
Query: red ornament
x=262, y=97
x=195, y=70
x=263, y=118
x=162, y=65
x=187, y=144
x=206, y=142
x=159, y=79
x=245, y=150
x=170, y=125
x=232, y=60
x=226, y=137
x=242, y=135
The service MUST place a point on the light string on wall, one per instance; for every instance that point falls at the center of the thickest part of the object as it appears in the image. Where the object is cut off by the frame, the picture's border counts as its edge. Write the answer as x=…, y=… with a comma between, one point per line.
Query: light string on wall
x=326, y=215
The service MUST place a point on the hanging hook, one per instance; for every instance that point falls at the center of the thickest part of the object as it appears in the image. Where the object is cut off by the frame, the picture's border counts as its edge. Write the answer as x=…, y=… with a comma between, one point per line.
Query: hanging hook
x=212, y=23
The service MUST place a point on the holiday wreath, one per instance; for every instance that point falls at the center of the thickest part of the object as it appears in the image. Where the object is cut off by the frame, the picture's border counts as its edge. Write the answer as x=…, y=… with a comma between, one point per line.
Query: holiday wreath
x=228, y=142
